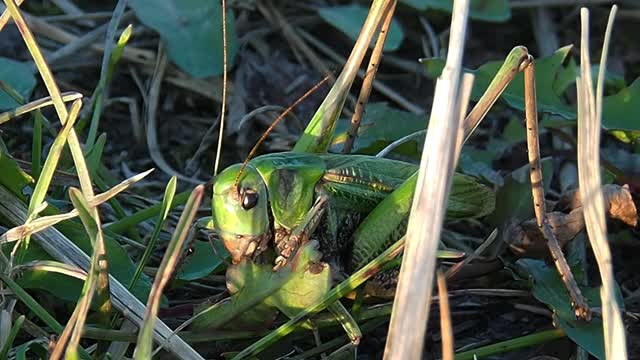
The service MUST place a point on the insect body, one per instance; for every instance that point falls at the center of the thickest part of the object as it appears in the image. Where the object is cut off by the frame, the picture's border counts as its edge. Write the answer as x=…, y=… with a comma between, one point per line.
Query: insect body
x=282, y=200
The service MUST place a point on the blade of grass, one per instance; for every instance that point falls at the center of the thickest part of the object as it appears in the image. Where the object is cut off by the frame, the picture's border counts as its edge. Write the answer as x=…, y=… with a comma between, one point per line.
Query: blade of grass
x=589, y=125
x=444, y=136
x=169, y=192
x=35, y=105
x=17, y=325
x=54, y=92
x=109, y=61
x=445, y=318
x=98, y=267
x=511, y=345
x=36, y=146
x=167, y=267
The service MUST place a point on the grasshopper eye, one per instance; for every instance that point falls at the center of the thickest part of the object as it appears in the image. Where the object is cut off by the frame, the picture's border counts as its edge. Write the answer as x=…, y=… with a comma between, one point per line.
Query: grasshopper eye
x=249, y=199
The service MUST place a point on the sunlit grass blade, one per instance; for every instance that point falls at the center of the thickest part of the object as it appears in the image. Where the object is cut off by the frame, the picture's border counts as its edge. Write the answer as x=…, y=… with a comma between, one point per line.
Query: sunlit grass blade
x=167, y=267
x=169, y=192
x=52, y=266
x=99, y=266
x=589, y=174
x=54, y=92
x=51, y=163
x=35, y=105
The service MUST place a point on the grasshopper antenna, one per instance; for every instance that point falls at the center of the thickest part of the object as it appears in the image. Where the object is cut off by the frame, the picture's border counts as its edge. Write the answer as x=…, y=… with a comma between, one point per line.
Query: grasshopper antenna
x=223, y=110
x=272, y=126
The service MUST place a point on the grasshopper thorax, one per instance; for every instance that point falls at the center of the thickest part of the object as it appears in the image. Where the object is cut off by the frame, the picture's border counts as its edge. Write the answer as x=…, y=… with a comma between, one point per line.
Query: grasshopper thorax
x=240, y=211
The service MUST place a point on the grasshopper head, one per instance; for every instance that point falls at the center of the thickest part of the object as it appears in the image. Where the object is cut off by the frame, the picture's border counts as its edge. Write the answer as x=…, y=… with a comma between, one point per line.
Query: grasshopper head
x=240, y=214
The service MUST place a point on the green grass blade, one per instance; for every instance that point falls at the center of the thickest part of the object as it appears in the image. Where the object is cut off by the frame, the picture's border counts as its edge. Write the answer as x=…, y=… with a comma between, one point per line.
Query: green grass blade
x=12, y=336
x=36, y=145
x=167, y=266
x=51, y=163
x=54, y=92
x=106, y=74
x=511, y=345
x=162, y=217
x=35, y=105
x=91, y=222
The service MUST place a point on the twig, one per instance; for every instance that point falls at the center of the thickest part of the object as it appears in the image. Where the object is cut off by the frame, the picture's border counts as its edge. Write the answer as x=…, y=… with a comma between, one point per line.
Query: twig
x=377, y=84
x=445, y=318
x=372, y=69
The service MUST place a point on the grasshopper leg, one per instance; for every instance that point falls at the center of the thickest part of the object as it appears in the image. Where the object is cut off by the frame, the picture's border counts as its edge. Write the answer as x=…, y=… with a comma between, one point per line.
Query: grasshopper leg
x=579, y=302
x=288, y=246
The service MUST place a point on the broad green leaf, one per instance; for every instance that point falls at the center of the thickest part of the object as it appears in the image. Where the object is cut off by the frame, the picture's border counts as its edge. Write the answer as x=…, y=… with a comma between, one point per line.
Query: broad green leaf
x=487, y=10
x=549, y=289
x=381, y=126
x=202, y=261
x=547, y=71
x=620, y=113
x=514, y=200
x=191, y=29
x=19, y=77
x=349, y=19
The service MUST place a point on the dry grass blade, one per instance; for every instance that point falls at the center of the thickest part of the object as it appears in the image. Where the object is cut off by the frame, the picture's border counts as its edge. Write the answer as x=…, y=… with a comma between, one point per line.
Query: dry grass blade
x=166, y=269
x=445, y=318
x=411, y=307
x=589, y=117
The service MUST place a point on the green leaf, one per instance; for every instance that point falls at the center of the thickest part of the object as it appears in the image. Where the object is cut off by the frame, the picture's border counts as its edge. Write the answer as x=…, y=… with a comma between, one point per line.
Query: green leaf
x=191, y=29
x=514, y=200
x=487, y=10
x=548, y=70
x=620, y=113
x=19, y=77
x=202, y=261
x=381, y=126
x=349, y=19
x=549, y=289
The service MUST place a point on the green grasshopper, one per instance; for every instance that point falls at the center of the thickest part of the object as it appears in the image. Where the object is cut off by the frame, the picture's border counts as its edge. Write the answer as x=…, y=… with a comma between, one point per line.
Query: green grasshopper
x=317, y=214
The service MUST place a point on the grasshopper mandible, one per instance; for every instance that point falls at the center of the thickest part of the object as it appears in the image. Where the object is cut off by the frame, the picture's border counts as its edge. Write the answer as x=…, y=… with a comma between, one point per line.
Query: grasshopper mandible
x=278, y=206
